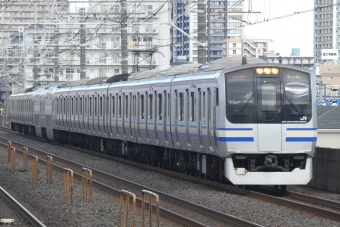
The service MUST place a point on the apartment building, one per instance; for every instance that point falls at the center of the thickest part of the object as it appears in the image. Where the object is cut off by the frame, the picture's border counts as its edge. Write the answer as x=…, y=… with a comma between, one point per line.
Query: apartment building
x=220, y=26
x=17, y=15
x=88, y=43
x=326, y=31
x=251, y=47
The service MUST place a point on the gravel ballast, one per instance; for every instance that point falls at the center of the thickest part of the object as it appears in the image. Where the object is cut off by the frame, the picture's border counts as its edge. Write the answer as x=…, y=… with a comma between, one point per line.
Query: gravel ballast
x=105, y=208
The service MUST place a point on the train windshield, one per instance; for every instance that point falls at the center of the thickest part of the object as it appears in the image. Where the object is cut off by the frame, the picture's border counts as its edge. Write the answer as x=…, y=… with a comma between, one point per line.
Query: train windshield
x=240, y=87
x=296, y=86
x=268, y=98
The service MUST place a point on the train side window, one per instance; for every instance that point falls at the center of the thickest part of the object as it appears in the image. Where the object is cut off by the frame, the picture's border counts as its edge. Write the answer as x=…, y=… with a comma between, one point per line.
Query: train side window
x=76, y=107
x=80, y=106
x=107, y=106
x=134, y=106
x=216, y=95
x=181, y=106
x=57, y=103
x=72, y=104
x=95, y=106
x=142, y=106
x=169, y=103
x=119, y=106
x=204, y=101
x=126, y=105
x=90, y=106
x=113, y=106
x=150, y=106
x=193, y=106
x=160, y=106
x=86, y=104
x=100, y=106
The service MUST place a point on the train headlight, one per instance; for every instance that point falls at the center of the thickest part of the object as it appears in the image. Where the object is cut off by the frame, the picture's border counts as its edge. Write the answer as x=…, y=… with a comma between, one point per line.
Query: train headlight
x=259, y=70
x=275, y=71
x=267, y=70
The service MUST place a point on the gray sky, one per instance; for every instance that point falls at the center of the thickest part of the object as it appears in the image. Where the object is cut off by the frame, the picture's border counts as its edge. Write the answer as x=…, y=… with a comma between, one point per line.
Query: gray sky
x=291, y=32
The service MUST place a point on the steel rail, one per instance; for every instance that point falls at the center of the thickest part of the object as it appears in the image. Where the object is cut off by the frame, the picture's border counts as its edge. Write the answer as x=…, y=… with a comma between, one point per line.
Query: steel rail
x=20, y=209
x=315, y=200
x=217, y=215
x=276, y=200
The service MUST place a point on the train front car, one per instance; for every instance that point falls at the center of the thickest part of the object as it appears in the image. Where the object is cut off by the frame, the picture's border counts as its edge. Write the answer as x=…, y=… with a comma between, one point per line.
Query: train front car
x=270, y=129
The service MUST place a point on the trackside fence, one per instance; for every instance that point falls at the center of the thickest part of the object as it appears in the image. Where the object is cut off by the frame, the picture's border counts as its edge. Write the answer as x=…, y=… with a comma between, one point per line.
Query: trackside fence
x=127, y=200
x=326, y=170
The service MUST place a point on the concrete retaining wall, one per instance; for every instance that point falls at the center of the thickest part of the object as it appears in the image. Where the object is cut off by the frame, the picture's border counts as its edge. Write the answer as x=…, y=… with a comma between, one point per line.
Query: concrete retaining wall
x=326, y=171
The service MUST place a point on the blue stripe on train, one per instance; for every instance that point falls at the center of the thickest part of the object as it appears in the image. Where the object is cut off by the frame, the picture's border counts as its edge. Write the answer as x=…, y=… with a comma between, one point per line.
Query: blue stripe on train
x=236, y=139
x=301, y=139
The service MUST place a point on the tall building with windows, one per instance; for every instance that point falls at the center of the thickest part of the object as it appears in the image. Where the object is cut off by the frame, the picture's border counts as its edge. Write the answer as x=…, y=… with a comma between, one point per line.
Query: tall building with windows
x=17, y=15
x=220, y=26
x=326, y=31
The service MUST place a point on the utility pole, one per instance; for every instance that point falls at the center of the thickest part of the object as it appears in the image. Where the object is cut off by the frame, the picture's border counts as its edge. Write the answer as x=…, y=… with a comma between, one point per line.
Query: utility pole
x=201, y=32
x=82, y=53
x=123, y=38
x=56, y=53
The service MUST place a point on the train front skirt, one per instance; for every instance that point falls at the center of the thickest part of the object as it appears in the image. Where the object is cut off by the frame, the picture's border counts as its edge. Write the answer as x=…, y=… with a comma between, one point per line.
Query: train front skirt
x=240, y=176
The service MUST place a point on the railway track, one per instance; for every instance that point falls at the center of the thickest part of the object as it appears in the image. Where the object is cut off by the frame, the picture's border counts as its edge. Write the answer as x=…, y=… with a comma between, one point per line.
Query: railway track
x=20, y=209
x=314, y=205
x=103, y=181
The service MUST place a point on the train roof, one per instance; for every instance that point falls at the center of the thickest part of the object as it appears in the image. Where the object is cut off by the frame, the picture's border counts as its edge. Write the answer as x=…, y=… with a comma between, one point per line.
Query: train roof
x=75, y=83
x=175, y=70
x=229, y=62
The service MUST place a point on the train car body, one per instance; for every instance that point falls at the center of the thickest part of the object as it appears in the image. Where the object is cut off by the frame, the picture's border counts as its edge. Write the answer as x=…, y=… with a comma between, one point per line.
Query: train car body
x=253, y=124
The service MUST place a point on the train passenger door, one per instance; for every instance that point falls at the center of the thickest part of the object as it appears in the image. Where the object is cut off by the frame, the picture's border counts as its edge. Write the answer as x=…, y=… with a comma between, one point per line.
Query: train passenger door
x=269, y=114
x=193, y=120
x=205, y=119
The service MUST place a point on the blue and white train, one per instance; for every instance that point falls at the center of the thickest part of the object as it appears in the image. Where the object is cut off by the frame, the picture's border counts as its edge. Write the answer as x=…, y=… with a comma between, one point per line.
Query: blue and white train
x=254, y=124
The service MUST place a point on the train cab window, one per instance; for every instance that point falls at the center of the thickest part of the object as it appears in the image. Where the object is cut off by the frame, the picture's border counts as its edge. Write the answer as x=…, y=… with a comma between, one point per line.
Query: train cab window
x=142, y=106
x=268, y=94
x=150, y=106
x=181, y=106
x=193, y=106
x=240, y=87
x=159, y=107
x=296, y=87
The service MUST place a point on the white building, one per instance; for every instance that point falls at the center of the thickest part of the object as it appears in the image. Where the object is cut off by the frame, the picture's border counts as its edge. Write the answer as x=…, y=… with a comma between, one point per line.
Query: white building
x=88, y=43
x=326, y=31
